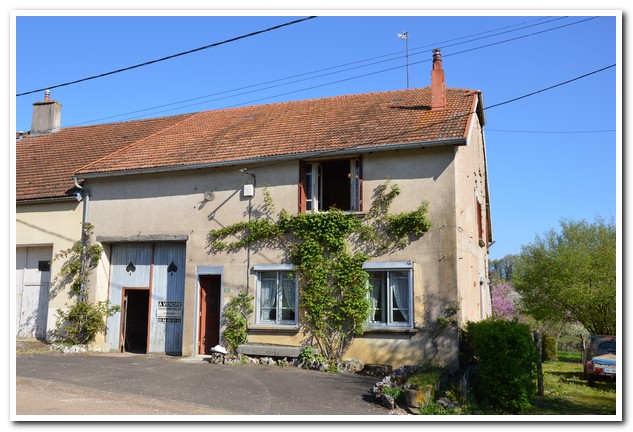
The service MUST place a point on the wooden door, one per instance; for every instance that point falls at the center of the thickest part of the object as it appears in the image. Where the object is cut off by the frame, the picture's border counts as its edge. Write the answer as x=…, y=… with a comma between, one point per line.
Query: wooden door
x=209, y=334
x=33, y=276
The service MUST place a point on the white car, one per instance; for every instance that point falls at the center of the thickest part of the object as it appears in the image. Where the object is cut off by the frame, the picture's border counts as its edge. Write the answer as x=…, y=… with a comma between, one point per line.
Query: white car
x=599, y=358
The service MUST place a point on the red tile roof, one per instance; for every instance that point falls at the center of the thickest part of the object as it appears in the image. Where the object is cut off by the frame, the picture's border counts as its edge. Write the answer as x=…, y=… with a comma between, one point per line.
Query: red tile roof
x=45, y=164
x=289, y=129
x=295, y=128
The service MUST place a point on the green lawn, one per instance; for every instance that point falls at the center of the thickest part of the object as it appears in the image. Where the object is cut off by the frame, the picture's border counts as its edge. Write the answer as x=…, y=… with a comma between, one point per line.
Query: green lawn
x=567, y=393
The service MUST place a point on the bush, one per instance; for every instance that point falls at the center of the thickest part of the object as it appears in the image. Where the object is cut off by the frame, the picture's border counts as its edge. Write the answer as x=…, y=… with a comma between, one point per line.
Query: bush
x=235, y=320
x=82, y=322
x=549, y=348
x=506, y=363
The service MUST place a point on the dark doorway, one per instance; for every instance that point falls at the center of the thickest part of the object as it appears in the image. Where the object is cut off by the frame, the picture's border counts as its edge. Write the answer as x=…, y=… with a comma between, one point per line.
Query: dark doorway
x=209, y=313
x=135, y=315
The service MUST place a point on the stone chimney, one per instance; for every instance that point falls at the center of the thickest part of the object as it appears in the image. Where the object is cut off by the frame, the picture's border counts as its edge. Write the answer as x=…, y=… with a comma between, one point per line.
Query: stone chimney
x=47, y=116
x=438, y=83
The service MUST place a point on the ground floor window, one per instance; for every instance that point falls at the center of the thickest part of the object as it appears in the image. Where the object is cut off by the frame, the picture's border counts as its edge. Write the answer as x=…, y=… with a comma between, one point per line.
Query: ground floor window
x=276, y=297
x=390, y=293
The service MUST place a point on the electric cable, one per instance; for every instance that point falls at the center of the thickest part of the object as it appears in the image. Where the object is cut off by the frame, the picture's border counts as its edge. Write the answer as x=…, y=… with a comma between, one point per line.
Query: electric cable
x=403, y=134
x=331, y=73
x=213, y=45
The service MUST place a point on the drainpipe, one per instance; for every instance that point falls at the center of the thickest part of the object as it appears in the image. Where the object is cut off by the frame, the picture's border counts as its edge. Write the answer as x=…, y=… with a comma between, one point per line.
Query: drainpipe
x=248, y=247
x=85, y=196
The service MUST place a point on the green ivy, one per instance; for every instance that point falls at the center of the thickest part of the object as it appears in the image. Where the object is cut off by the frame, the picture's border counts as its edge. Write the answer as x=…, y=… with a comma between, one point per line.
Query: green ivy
x=235, y=319
x=81, y=259
x=333, y=302
x=83, y=320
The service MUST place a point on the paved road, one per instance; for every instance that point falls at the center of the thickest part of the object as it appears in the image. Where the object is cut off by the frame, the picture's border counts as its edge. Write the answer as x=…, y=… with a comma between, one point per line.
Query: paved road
x=129, y=384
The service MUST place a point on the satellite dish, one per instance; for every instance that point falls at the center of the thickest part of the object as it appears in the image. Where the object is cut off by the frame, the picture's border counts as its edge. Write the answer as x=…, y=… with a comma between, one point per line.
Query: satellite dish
x=209, y=195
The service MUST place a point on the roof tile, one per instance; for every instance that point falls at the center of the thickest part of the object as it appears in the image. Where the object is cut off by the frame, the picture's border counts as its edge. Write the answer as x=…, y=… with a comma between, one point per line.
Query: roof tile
x=45, y=164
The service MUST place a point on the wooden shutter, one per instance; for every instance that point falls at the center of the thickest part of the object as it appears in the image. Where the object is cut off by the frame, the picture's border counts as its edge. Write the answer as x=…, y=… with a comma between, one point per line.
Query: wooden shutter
x=302, y=187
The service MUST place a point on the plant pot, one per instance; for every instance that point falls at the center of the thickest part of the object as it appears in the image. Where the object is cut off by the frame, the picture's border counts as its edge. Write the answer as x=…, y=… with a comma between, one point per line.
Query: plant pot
x=416, y=398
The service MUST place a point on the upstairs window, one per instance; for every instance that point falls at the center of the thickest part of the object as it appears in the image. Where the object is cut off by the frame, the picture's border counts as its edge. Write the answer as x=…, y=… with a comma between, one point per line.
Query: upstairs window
x=330, y=184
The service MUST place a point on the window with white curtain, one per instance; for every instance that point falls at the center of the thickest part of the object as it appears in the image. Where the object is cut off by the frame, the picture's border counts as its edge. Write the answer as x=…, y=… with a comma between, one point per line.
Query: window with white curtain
x=276, y=298
x=390, y=293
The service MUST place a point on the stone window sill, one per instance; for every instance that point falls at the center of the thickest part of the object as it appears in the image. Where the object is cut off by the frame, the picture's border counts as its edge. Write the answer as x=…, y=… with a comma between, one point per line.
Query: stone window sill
x=273, y=329
x=368, y=331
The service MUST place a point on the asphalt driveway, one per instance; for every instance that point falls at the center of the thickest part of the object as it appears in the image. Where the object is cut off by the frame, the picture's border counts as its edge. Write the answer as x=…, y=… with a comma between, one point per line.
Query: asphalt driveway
x=123, y=384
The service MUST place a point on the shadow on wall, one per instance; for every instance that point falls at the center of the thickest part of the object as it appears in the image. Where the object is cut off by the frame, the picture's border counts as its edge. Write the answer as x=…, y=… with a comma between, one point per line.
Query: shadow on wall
x=436, y=340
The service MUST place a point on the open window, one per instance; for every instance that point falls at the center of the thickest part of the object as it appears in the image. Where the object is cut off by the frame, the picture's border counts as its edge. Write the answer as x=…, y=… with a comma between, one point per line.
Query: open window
x=330, y=184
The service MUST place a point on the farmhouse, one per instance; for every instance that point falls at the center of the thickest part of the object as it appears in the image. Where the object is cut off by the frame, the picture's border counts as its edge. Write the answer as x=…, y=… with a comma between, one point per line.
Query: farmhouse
x=153, y=189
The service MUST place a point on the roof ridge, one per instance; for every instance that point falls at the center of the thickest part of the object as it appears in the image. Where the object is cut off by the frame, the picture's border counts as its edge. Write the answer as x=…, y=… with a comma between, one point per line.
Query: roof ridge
x=137, y=142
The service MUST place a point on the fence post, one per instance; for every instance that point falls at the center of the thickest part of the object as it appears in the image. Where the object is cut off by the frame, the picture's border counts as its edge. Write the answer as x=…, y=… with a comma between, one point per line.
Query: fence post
x=539, y=349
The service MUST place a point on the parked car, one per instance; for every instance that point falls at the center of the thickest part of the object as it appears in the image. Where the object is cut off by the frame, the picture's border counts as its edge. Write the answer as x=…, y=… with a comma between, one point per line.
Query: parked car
x=599, y=358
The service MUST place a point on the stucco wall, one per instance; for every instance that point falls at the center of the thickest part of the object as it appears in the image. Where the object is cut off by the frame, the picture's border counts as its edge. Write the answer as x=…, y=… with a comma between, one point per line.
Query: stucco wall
x=474, y=291
x=56, y=225
x=173, y=204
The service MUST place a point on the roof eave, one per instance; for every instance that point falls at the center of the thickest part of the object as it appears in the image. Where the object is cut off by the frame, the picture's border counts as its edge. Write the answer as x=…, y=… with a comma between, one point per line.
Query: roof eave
x=45, y=200
x=279, y=158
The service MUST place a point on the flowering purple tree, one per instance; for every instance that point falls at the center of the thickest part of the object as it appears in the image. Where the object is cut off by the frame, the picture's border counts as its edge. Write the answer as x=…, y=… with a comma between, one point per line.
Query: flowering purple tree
x=504, y=301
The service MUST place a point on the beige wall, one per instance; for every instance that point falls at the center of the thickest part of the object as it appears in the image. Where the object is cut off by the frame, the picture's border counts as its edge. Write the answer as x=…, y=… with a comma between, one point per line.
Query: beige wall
x=472, y=186
x=173, y=204
x=54, y=224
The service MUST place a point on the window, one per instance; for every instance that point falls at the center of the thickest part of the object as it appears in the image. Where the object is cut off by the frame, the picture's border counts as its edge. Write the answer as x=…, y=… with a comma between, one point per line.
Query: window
x=390, y=295
x=330, y=184
x=276, y=298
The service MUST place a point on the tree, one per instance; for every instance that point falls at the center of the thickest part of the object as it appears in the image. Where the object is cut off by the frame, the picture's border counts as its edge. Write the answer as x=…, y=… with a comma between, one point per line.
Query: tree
x=501, y=269
x=570, y=276
x=504, y=299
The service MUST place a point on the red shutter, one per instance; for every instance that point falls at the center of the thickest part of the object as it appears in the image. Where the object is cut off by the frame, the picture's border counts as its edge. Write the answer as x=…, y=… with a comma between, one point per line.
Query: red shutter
x=302, y=187
x=360, y=184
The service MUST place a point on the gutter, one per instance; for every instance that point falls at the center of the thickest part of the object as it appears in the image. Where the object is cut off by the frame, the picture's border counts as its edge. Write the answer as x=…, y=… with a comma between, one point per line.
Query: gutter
x=280, y=158
x=85, y=196
x=44, y=200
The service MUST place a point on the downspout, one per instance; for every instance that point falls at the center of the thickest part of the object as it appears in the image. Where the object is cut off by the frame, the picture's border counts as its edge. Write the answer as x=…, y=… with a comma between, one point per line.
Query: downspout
x=85, y=196
x=248, y=247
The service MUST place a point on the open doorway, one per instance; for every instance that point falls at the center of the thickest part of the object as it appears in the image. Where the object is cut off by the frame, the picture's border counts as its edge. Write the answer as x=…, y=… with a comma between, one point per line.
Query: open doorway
x=135, y=320
x=209, y=333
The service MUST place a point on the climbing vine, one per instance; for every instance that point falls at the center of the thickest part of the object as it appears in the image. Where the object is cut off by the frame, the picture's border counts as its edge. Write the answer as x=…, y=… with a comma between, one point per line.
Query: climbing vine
x=328, y=250
x=235, y=320
x=83, y=320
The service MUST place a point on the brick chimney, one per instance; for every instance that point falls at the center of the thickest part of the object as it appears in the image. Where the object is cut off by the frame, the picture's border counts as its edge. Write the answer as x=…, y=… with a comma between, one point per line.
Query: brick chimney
x=438, y=84
x=47, y=116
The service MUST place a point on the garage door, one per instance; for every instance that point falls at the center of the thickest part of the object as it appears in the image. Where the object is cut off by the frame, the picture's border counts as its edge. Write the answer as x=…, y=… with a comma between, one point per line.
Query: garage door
x=33, y=275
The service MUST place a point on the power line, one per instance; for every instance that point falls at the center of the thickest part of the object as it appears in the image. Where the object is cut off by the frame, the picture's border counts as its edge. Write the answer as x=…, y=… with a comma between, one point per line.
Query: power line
x=552, y=87
x=399, y=55
x=168, y=57
x=340, y=71
x=551, y=132
x=403, y=134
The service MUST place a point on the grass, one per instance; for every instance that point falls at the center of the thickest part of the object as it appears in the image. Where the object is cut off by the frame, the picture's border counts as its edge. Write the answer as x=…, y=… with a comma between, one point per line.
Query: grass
x=567, y=392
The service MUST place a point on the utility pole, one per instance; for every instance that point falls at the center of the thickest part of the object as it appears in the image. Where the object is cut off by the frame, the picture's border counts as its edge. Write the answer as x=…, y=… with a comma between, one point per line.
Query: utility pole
x=405, y=36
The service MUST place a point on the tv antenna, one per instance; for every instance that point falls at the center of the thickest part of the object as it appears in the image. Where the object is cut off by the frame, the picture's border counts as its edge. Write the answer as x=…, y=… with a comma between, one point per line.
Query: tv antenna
x=405, y=36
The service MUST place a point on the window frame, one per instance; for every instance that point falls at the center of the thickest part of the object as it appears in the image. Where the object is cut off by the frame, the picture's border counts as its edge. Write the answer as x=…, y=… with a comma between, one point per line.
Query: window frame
x=311, y=184
x=278, y=270
x=385, y=269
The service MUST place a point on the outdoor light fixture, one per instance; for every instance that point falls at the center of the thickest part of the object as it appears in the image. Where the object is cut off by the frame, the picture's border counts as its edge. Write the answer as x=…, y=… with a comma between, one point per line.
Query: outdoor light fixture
x=209, y=195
